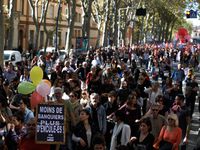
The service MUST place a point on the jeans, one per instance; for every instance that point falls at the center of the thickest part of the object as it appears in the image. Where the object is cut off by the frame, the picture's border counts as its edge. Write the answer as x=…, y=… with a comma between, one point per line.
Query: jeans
x=146, y=63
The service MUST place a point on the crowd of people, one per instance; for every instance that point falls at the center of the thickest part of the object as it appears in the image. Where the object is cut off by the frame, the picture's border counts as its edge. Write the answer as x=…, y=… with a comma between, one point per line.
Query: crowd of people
x=110, y=102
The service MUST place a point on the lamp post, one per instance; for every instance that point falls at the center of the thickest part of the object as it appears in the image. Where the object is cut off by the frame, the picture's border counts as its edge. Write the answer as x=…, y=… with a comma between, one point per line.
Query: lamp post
x=58, y=15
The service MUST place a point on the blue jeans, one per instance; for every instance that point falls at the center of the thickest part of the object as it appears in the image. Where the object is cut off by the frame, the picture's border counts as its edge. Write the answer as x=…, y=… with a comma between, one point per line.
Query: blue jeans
x=146, y=63
x=48, y=65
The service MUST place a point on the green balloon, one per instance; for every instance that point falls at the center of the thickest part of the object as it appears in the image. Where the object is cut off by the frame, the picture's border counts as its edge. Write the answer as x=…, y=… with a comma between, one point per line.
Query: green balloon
x=26, y=87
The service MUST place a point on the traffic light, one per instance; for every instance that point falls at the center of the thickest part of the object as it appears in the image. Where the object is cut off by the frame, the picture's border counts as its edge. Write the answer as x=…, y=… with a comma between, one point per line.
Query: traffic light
x=188, y=14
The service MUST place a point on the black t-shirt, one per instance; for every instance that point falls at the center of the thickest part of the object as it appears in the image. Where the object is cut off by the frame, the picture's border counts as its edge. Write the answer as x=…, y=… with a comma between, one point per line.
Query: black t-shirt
x=123, y=95
x=93, y=87
x=182, y=113
x=193, y=85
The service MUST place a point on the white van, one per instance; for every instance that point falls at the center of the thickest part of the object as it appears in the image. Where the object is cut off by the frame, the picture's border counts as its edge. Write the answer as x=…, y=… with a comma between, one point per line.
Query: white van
x=13, y=56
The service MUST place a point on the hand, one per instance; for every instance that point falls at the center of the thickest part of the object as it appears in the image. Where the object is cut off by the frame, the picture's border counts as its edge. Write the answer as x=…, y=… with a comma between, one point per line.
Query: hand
x=103, y=133
x=82, y=142
x=137, y=121
x=185, y=140
x=133, y=139
x=12, y=126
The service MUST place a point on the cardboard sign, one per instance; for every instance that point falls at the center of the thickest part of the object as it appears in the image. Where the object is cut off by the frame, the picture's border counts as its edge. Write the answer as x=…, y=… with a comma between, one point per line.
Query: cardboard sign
x=50, y=123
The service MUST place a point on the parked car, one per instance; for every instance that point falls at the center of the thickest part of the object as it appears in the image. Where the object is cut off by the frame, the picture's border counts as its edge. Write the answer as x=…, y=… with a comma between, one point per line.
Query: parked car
x=13, y=56
x=49, y=49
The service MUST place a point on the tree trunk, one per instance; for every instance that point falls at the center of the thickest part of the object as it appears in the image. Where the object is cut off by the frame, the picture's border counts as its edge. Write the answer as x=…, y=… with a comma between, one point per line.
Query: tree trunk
x=141, y=38
x=115, y=25
x=147, y=23
x=11, y=24
x=167, y=31
x=163, y=31
x=123, y=36
x=70, y=27
x=88, y=20
x=98, y=34
x=153, y=22
x=132, y=35
x=45, y=29
x=2, y=27
x=105, y=24
x=172, y=30
x=37, y=32
x=161, y=24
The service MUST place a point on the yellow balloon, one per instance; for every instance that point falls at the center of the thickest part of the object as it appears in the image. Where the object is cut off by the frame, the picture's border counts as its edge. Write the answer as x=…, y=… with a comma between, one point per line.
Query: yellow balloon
x=36, y=75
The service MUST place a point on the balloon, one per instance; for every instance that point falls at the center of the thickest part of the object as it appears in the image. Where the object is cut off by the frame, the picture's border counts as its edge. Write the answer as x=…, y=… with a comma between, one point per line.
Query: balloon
x=176, y=36
x=47, y=81
x=36, y=75
x=26, y=87
x=182, y=34
x=43, y=89
x=36, y=98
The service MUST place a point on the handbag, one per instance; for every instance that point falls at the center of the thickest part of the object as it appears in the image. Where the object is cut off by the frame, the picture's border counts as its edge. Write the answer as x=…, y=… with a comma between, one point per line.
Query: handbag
x=164, y=145
x=153, y=76
x=140, y=147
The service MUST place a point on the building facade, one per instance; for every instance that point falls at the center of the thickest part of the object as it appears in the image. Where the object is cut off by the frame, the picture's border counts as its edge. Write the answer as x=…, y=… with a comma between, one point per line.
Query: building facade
x=24, y=27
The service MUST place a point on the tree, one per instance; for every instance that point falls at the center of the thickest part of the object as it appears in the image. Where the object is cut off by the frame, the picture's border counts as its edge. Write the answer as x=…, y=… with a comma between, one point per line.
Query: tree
x=86, y=17
x=2, y=26
x=36, y=20
x=105, y=24
x=48, y=33
x=11, y=23
x=97, y=15
x=71, y=16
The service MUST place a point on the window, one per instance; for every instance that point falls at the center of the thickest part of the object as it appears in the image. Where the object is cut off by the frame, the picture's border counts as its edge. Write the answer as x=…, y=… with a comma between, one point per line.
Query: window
x=31, y=36
x=79, y=17
x=51, y=40
x=79, y=33
x=76, y=33
x=51, y=12
x=41, y=38
x=21, y=6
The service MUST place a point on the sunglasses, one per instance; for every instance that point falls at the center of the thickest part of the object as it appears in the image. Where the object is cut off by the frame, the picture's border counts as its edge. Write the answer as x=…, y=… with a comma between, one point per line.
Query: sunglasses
x=160, y=100
x=170, y=119
x=140, y=79
x=57, y=93
x=177, y=84
x=71, y=96
x=83, y=93
x=154, y=109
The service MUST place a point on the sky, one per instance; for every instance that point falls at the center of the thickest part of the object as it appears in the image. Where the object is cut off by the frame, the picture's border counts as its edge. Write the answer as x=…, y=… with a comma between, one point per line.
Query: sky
x=195, y=22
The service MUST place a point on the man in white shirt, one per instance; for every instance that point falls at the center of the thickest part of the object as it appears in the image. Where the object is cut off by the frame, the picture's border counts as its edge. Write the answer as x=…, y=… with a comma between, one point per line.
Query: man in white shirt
x=67, y=67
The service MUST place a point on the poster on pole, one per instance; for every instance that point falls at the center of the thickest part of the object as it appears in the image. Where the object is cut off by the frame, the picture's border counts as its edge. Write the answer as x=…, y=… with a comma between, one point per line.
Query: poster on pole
x=50, y=123
x=81, y=44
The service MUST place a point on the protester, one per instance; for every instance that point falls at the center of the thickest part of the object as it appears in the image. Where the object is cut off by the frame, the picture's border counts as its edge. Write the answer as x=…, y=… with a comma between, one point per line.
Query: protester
x=27, y=141
x=121, y=132
x=170, y=135
x=144, y=139
x=84, y=131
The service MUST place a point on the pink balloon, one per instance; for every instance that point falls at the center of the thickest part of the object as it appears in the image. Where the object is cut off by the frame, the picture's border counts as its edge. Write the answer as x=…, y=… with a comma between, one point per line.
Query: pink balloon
x=43, y=89
x=36, y=98
x=176, y=36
